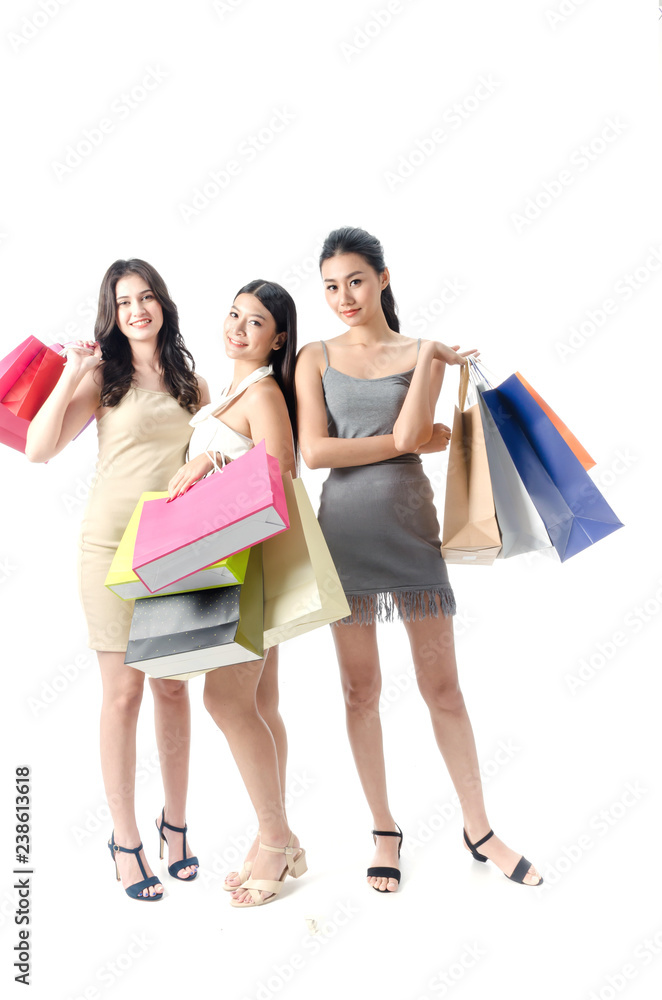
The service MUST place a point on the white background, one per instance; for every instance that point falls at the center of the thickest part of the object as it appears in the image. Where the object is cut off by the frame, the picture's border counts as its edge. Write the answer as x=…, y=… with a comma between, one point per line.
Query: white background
x=360, y=96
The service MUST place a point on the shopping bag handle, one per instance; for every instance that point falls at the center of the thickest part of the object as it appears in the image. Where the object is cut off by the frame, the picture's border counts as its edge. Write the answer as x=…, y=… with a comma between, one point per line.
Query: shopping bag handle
x=477, y=373
x=212, y=455
x=464, y=386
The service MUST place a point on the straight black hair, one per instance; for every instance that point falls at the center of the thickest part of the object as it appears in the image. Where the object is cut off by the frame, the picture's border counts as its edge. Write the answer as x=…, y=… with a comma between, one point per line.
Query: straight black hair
x=278, y=301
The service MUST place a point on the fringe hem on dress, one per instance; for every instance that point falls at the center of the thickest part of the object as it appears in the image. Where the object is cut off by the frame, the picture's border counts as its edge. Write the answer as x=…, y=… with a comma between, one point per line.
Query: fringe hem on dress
x=398, y=605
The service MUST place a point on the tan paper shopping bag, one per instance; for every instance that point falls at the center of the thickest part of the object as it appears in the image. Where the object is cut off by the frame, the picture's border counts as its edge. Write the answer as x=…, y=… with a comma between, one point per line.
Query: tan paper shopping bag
x=471, y=532
x=302, y=590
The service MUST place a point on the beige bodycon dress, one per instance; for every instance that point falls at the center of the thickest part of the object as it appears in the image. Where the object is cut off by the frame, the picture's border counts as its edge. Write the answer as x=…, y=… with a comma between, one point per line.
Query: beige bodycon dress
x=142, y=443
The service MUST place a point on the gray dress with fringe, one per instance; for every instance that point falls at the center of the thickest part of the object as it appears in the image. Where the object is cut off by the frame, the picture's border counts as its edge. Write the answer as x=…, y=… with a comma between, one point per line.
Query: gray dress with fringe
x=379, y=520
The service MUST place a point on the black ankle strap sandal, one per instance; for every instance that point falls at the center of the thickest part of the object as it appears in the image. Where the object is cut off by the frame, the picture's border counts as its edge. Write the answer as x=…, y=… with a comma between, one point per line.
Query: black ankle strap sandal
x=520, y=869
x=177, y=866
x=382, y=871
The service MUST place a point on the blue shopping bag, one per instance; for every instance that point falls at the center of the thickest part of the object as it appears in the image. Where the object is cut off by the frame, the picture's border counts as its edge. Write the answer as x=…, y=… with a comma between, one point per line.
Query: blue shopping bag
x=571, y=506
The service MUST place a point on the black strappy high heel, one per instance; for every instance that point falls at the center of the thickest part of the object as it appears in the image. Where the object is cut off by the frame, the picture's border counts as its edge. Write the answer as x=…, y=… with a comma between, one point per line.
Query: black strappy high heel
x=520, y=869
x=177, y=866
x=135, y=890
x=382, y=871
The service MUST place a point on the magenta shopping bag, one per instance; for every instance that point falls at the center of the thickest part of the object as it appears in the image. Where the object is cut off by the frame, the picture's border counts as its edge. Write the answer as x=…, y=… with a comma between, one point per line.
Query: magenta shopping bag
x=235, y=507
x=27, y=377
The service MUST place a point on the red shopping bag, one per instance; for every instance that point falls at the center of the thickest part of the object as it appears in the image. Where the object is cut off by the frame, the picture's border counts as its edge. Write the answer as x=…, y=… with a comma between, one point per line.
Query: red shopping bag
x=14, y=429
x=17, y=361
x=28, y=375
x=33, y=387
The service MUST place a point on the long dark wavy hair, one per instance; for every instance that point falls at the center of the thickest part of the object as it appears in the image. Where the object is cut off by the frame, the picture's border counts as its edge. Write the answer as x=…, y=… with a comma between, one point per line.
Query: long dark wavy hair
x=174, y=357
x=278, y=301
x=352, y=240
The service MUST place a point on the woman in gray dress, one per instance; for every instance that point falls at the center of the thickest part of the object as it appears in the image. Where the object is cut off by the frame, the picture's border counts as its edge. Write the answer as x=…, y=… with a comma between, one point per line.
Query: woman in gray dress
x=366, y=402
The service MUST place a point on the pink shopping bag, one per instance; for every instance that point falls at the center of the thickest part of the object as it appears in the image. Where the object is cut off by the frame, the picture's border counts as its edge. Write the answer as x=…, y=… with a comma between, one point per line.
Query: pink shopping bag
x=33, y=387
x=236, y=507
x=24, y=386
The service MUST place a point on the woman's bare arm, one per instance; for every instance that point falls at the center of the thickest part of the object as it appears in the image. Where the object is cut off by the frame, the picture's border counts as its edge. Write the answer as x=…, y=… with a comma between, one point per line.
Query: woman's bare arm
x=75, y=398
x=269, y=420
x=415, y=424
x=319, y=450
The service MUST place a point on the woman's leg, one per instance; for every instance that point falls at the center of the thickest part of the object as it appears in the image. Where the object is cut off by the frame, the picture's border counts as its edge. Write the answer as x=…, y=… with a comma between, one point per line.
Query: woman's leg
x=231, y=699
x=433, y=652
x=122, y=695
x=172, y=722
x=358, y=658
x=267, y=705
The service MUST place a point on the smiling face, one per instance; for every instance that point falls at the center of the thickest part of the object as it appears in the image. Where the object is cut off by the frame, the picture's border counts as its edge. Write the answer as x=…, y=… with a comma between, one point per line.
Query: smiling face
x=139, y=314
x=249, y=331
x=353, y=289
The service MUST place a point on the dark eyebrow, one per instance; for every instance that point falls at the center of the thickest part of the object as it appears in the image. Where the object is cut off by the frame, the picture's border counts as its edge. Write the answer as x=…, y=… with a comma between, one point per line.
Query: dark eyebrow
x=351, y=275
x=139, y=293
x=259, y=315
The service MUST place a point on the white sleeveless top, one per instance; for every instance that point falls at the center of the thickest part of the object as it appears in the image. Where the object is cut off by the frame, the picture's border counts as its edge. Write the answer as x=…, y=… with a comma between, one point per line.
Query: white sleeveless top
x=211, y=434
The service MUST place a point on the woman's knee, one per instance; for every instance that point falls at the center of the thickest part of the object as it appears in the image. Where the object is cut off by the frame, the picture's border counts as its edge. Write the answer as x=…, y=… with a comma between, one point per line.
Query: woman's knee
x=267, y=701
x=169, y=691
x=362, y=694
x=228, y=713
x=444, y=695
x=124, y=698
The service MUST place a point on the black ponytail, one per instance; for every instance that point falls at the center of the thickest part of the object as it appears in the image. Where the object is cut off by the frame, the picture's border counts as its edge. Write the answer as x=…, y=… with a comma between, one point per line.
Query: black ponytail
x=358, y=241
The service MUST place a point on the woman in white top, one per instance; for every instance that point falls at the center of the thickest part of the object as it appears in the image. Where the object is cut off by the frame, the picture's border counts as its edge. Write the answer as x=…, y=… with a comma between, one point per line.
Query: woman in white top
x=260, y=337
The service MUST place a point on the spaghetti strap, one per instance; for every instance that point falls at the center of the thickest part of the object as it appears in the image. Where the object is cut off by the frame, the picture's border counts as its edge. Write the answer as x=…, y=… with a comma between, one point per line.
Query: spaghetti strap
x=418, y=347
x=326, y=356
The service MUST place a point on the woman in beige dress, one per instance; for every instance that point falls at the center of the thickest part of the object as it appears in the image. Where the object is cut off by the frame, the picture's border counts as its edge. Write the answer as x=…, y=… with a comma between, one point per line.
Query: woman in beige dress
x=137, y=379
